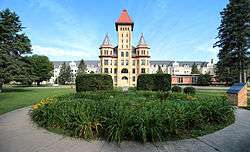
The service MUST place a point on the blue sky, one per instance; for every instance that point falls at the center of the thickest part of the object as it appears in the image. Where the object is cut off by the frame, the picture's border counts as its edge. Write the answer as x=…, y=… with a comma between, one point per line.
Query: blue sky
x=74, y=29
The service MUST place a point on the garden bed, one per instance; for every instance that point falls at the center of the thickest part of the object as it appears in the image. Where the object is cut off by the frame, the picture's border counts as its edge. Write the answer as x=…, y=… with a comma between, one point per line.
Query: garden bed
x=134, y=115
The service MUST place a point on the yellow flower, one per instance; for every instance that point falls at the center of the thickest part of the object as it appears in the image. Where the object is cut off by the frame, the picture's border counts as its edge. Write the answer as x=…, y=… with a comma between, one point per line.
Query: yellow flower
x=34, y=106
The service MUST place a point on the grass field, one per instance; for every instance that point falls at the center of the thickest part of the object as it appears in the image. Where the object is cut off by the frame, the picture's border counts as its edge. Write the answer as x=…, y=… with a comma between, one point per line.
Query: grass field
x=15, y=97
x=218, y=93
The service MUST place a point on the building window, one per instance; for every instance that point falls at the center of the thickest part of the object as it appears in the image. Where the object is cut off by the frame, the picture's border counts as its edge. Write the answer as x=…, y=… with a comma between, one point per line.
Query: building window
x=133, y=70
x=127, y=40
x=106, y=70
x=180, y=80
x=126, y=46
x=124, y=70
x=122, y=54
x=110, y=52
x=126, y=35
x=115, y=78
x=106, y=62
x=122, y=62
x=133, y=78
x=111, y=70
x=126, y=62
x=124, y=78
x=133, y=62
x=126, y=54
x=115, y=70
x=143, y=62
x=142, y=70
x=115, y=62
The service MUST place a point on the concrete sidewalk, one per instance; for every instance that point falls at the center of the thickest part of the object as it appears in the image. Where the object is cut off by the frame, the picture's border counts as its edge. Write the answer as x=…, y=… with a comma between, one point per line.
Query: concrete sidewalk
x=19, y=134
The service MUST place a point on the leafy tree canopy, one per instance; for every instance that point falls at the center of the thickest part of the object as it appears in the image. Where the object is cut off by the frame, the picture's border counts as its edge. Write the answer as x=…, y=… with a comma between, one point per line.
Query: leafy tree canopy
x=41, y=68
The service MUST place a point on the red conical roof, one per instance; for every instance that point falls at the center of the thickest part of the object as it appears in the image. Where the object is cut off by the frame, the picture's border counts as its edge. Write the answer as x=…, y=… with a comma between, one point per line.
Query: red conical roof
x=124, y=17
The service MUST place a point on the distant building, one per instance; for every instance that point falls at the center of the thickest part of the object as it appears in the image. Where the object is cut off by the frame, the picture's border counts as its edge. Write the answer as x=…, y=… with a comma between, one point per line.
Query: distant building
x=124, y=62
x=180, y=70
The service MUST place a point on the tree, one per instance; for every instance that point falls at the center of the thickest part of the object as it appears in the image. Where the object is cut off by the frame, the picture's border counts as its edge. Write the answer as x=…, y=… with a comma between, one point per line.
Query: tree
x=159, y=71
x=82, y=67
x=195, y=69
x=204, y=79
x=234, y=41
x=65, y=74
x=41, y=68
x=13, y=46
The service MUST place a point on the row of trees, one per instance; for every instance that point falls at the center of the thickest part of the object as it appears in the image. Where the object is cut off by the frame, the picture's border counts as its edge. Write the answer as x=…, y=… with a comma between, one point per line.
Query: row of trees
x=66, y=75
x=234, y=42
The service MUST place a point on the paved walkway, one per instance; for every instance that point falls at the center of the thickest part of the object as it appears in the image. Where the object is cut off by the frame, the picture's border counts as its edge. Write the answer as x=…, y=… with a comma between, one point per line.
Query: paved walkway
x=19, y=134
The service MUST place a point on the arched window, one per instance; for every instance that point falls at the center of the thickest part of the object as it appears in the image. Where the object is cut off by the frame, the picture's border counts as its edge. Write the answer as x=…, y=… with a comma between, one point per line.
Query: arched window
x=124, y=78
x=124, y=70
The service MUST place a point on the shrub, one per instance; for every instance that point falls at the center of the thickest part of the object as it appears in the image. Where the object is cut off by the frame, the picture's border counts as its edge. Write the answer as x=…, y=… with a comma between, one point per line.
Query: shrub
x=189, y=90
x=135, y=115
x=93, y=82
x=176, y=89
x=154, y=82
x=204, y=79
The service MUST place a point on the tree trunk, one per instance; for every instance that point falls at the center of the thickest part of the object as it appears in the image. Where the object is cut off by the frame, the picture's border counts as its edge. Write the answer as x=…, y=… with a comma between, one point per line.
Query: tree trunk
x=38, y=83
x=1, y=86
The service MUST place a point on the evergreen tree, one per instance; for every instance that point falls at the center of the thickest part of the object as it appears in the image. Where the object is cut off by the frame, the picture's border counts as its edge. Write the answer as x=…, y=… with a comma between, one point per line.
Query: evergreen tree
x=82, y=67
x=234, y=41
x=159, y=71
x=195, y=69
x=65, y=74
x=13, y=45
x=204, y=79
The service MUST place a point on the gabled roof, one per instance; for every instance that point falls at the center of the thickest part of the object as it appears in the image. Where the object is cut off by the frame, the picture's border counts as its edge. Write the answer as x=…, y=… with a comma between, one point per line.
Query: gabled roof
x=124, y=17
x=234, y=89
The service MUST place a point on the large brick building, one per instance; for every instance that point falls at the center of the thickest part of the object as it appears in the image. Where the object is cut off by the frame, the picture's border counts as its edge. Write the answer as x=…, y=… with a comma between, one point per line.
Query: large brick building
x=124, y=62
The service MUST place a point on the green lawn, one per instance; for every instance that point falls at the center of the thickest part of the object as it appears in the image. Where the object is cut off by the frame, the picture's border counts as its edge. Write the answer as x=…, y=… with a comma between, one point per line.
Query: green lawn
x=218, y=93
x=14, y=98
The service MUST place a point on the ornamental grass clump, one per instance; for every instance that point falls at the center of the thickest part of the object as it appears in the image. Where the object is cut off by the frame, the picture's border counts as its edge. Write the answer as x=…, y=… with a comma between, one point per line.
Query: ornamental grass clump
x=134, y=115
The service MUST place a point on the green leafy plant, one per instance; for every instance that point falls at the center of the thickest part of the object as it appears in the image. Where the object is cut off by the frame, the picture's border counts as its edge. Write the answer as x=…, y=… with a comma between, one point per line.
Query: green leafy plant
x=135, y=115
x=176, y=89
x=189, y=90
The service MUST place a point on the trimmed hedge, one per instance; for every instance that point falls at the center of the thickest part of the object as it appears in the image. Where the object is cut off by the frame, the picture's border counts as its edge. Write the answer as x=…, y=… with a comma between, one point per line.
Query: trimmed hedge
x=176, y=89
x=93, y=82
x=189, y=90
x=154, y=82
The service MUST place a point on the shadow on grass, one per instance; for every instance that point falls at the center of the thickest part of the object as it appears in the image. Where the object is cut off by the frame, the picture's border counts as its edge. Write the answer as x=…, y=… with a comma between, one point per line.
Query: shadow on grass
x=16, y=90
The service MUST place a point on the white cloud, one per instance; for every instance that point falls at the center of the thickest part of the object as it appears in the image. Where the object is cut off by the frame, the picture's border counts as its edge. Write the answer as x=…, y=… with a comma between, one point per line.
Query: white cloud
x=207, y=47
x=60, y=53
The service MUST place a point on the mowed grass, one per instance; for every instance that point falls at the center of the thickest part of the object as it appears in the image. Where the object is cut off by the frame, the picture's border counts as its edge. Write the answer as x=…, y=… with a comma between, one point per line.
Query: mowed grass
x=218, y=92
x=15, y=97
